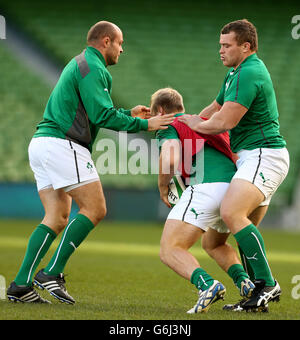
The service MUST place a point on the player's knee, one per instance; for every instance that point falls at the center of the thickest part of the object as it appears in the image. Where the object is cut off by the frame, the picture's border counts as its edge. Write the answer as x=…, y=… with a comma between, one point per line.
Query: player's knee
x=207, y=246
x=95, y=213
x=59, y=223
x=102, y=213
x=164, y=252
x=164, y=255
x=168, y=250
x=233, y=219
x=99, y=214
x=227, y=215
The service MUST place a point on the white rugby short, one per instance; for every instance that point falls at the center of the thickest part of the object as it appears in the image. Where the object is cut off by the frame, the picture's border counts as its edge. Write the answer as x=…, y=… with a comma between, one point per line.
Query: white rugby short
x=60, y=163
x=265, y=168
x=200, y=204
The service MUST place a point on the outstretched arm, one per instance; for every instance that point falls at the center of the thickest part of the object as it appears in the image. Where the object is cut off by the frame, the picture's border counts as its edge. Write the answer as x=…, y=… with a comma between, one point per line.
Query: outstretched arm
x=226, y=119
x=210, y=109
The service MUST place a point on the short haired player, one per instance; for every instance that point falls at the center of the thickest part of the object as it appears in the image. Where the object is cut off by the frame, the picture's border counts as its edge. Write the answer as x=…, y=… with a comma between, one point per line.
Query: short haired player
x=197, y=214
x=246, y=105
x=60, y=157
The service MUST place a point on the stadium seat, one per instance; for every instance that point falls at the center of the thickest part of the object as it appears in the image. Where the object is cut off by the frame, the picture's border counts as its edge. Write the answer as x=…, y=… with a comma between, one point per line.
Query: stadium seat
x=170, y=44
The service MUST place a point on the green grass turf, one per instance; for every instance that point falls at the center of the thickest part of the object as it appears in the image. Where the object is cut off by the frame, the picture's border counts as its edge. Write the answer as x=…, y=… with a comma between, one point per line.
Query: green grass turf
x=116, y=274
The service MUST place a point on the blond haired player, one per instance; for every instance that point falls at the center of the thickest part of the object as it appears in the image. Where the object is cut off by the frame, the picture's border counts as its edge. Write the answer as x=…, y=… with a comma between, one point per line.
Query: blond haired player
x=197, y=213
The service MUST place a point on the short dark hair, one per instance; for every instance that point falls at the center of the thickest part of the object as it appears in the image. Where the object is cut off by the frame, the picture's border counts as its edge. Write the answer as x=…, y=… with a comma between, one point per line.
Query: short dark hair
x=100, y=30
x=244, y=30
x=169, y=99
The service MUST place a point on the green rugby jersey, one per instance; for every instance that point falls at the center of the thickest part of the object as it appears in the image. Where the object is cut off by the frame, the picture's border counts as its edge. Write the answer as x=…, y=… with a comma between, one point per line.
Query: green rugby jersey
x=217, y=166
x=251, y=86
x=80, y=104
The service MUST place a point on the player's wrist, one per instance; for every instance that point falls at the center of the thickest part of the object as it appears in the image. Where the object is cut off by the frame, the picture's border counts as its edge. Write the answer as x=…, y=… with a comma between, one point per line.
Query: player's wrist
x=144, y=124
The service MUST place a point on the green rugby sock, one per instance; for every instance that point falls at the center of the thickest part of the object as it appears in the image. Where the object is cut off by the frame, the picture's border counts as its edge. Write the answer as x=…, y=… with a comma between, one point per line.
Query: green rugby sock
x=38, y=245
x=252, y=245
x=201, y=279
x=246, y=265
x=238, y=274
x=76, y=231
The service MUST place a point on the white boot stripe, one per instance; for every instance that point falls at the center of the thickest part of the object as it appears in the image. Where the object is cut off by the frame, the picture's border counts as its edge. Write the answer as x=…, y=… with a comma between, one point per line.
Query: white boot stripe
x=48, y=283
x=34, y=298
x=52, y=286
x=52, y=289
x=28, y=295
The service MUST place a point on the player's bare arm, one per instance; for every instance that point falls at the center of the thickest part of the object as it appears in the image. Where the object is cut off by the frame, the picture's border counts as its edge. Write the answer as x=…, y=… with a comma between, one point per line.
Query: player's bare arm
x=226, y=119
x=168, y=164
x=209, y=110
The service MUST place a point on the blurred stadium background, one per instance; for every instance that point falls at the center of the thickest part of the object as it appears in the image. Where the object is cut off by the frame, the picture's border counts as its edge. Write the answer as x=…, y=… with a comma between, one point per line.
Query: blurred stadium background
x=167, y=43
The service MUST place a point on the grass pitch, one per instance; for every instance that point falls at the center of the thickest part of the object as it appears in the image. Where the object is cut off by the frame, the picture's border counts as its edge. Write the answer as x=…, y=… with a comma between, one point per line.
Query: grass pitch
x=116, y=274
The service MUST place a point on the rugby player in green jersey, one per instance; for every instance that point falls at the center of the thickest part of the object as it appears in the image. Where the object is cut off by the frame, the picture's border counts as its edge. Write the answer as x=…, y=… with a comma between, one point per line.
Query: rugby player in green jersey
x=246, y=106
x=60, y=157
x=197, y=213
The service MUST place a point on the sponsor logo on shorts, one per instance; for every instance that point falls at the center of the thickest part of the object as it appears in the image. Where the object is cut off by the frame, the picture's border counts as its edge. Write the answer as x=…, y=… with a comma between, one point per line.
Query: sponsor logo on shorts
x=263, y=177
x=195, y=212
x=90, y=167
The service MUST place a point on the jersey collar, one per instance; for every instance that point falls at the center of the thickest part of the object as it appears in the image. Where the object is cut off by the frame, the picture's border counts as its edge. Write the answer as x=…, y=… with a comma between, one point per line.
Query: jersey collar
x=250, y=57
x=98, y=53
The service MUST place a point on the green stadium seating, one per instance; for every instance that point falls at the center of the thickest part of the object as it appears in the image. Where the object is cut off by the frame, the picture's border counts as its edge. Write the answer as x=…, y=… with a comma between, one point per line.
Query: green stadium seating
x=23, y=96
x=166, y=44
